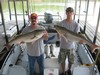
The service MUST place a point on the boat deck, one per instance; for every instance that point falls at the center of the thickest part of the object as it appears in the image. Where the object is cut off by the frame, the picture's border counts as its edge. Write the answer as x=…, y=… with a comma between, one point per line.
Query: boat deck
x=18, y=60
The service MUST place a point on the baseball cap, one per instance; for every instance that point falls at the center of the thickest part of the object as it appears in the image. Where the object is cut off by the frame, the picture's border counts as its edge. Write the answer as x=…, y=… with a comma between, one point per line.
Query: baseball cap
x=69, y=9
x=33, y=15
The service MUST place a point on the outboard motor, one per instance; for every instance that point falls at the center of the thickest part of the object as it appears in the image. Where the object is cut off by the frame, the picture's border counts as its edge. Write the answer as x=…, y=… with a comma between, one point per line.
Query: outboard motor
x=48, y=17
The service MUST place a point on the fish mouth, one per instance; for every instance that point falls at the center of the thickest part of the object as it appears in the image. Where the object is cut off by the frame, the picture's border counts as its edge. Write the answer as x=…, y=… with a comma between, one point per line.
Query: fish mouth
x=59, y=30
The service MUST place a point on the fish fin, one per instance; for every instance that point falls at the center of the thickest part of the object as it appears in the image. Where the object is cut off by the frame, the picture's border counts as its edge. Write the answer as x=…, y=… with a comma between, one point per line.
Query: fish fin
x=65, y=37
x=33, y=37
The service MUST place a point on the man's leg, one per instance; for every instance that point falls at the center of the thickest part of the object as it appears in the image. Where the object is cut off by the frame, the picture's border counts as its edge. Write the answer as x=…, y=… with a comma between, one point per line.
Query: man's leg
x=63, y=68
x=69, y=66
x=31, y=64
x=70, y=61
x=61, y=59
x=40, y=61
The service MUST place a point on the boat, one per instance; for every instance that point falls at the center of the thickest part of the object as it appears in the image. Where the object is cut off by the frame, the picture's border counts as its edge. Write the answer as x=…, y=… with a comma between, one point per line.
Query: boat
x=15, y=60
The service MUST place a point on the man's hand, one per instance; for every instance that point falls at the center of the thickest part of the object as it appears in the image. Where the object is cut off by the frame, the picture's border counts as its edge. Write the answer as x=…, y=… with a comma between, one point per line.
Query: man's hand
x=81, y=42
x=45, y=36
x=58, y=35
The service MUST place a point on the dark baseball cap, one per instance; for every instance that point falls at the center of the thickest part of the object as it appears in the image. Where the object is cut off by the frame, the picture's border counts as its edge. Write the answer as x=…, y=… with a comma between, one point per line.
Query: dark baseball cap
x=69, y=9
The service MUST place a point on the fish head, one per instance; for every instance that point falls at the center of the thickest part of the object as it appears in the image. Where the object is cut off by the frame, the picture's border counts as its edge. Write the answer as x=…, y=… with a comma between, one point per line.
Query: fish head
x=60, y=29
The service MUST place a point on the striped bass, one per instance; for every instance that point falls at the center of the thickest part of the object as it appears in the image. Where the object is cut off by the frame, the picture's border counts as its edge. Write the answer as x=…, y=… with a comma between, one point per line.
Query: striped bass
x=27, y=37
x=72, y=36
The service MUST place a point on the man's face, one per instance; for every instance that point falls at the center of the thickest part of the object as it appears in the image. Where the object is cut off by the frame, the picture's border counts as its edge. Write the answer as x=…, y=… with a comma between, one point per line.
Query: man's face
x=69, y=13
x=33, y=20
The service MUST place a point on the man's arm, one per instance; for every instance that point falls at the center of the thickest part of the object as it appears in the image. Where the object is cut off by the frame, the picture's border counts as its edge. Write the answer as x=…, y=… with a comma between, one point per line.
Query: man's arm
x=45, y=36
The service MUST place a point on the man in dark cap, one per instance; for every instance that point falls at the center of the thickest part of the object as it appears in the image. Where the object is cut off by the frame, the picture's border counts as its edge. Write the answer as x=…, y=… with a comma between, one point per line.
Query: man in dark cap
x=67, y=47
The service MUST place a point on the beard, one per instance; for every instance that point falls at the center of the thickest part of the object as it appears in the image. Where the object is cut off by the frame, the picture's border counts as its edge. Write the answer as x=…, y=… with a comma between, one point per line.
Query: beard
x=33, y=22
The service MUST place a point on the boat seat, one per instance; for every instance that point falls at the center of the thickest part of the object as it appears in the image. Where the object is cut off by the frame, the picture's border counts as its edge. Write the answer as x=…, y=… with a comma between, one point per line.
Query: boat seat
x=10, y=32
x=81, y=70
x=16, y=70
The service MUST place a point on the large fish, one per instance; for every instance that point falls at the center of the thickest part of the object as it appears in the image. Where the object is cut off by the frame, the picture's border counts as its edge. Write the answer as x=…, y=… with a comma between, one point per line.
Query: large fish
x=70, y=35
x=27, y=37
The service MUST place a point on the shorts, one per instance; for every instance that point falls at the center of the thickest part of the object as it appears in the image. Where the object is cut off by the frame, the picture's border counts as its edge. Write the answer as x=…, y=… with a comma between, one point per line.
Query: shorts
x=66, y=53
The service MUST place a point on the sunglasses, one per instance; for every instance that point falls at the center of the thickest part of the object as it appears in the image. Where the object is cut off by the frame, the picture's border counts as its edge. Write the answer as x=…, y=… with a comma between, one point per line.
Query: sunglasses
x=33, y=17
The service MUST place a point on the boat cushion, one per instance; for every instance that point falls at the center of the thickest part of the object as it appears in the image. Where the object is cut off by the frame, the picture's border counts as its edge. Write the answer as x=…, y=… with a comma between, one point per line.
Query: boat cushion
x=81, y=70
x=17, y=70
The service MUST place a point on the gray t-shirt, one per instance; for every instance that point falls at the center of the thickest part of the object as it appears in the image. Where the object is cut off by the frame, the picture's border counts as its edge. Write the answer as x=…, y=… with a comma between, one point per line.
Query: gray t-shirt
x=70, y=26
x=34, y=48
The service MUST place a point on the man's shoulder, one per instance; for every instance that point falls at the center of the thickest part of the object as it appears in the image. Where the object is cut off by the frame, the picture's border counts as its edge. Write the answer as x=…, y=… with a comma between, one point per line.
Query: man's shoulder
x=26, y=29
x=63, y=20
x=75, y=22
